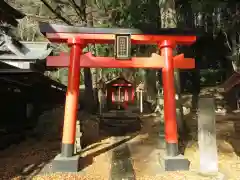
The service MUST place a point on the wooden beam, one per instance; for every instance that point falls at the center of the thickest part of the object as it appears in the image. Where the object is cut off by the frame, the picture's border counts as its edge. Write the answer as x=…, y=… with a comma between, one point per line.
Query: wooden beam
x=88, y=60
x=110, y=38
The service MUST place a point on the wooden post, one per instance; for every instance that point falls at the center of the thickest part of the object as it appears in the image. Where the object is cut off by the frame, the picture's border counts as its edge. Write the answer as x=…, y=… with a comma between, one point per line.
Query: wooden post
x=207, y=136
x=238, y=99
x=119, y=97
x=138, y=98
x=100, y=99
x=78, y=147
x=141, y=101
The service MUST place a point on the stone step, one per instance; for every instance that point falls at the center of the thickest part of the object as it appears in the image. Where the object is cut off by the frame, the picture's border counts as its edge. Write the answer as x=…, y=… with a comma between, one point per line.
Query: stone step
x=119, y=120
x=120, y=130
x=119, y=115
x=120, y=123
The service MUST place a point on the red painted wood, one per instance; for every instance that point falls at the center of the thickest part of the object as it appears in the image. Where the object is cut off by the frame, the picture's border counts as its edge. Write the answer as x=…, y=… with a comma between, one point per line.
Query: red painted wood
x=132, y=95
x=88, y=60
x=72, y=94
x=183, y=63
x=110, y=38
x=171, y=134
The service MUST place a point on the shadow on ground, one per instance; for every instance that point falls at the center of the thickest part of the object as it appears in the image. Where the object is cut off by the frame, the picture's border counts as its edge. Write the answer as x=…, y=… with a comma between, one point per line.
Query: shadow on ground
x=34, y=156
x=24, y=160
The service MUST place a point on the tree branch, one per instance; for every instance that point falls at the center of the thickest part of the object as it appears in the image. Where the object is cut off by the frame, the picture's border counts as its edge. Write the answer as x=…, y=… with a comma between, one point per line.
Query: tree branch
x=77, y=9
x=56, y=13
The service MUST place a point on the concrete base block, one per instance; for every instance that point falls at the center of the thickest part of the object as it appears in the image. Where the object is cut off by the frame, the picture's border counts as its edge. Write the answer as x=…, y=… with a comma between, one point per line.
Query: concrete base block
x=65, y=164
x=177, y=163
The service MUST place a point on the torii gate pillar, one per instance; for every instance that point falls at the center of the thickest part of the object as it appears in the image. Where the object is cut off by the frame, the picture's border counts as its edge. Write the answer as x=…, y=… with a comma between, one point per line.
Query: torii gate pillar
x=71, y=104
x=173, y=160
x=67, y=161
x=166, y=48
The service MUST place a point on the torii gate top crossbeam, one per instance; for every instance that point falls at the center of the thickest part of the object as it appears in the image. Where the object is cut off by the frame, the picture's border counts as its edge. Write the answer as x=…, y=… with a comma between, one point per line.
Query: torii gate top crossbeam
x=61, y=33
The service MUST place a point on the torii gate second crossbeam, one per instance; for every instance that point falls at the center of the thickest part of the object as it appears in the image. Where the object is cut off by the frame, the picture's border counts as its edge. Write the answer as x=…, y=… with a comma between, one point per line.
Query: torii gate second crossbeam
x=79, y=37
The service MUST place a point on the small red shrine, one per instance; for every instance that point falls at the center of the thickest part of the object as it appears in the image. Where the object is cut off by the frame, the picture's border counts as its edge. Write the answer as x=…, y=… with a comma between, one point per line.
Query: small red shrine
x=120, y=93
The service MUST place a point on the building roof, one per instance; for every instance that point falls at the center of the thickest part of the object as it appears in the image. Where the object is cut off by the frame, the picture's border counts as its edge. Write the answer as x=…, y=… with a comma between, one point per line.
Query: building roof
x=25, y=55
x=230, y=83
x=17, y=58
x=18, y=50
x=12, y=51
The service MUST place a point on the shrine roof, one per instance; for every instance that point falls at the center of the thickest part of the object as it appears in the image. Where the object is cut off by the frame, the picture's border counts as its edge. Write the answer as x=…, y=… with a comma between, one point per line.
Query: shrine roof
x=230, y=83
x=57, y=28
x=26, y=56
x=118, y=78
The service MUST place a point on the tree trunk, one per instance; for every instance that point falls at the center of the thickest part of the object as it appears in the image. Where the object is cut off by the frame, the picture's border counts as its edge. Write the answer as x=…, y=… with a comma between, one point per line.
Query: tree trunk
x=192, y=22
x=149, y=75
x=89, y=102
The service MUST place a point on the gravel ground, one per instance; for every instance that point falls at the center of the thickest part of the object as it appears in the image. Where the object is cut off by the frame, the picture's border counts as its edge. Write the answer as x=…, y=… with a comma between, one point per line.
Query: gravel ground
x=23, y=164
x=26, y=160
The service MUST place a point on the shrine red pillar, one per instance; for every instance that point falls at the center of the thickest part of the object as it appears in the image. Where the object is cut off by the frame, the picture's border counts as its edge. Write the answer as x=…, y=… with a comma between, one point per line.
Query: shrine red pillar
x=70, y=116
x=171, y=135
x=133, y=94
x=126, y=98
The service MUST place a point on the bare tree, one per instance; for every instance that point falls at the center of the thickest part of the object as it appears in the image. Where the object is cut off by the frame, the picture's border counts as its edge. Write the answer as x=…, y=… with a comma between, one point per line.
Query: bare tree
x=83, y=15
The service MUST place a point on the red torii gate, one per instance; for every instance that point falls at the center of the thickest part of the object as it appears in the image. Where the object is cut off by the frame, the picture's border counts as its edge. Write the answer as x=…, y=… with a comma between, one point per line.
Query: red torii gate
x=78, y=37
